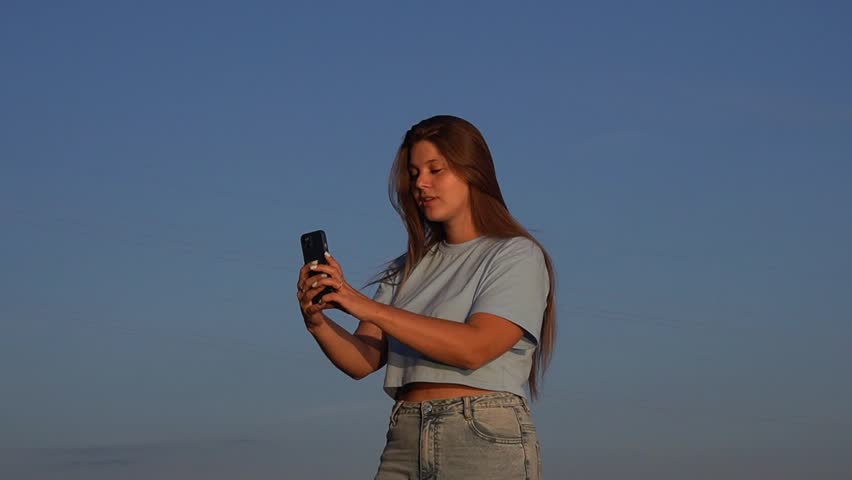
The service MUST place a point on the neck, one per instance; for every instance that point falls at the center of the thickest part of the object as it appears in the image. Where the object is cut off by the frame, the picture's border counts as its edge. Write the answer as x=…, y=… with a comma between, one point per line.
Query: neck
x=460, y=230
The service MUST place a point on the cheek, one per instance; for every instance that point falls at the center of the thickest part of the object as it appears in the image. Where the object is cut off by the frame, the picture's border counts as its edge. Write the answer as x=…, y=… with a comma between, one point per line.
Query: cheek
x=450, y=184
x=456, y=192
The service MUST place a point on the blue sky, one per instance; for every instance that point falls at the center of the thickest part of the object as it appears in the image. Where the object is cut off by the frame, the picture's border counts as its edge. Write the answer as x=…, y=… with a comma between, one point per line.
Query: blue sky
x=686, y=164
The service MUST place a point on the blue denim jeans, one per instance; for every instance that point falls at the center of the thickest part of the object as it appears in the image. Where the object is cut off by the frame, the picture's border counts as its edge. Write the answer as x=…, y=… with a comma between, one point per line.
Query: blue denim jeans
x=489, y=436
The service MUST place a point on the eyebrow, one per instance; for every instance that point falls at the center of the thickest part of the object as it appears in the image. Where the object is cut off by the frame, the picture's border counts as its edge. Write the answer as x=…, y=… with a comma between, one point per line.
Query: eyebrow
x=427, y=162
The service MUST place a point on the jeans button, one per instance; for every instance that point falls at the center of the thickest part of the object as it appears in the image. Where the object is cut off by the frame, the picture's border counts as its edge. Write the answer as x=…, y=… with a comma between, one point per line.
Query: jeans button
x=428, y=408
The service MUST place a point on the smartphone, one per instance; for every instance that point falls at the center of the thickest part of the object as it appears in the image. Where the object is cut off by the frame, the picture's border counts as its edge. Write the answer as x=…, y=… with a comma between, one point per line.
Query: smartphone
x=314, y=246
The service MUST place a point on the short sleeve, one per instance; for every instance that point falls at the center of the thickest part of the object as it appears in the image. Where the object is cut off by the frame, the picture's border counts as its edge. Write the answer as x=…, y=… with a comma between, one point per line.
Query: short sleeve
x=515, y=286
x=387, y=287
x=384, y=294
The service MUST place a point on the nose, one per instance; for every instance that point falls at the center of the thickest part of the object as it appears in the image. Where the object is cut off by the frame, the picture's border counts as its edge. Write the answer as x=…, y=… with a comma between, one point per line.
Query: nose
x=421, y=183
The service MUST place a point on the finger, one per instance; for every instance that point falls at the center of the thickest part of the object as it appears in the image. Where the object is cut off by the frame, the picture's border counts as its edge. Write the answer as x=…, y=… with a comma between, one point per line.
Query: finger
x=309, y=307
x=309, y=294
x=306, y=267
x=317, y=284
x=313, y=308
x=306, y=283
x=334, y=283
x=332, y=261
x=306, y=270
x=328, y=298
x=321, y=268
x=304, y=300
x=303, y=274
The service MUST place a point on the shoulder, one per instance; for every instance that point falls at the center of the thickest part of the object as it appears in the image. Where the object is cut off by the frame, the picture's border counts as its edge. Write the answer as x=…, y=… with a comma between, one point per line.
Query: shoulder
x=515, y=271
x=513, y=255
x=392, y=271
x=517, y=248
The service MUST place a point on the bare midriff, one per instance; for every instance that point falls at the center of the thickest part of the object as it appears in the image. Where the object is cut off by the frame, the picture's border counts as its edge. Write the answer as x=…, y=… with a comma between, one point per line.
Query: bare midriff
x=421, y=391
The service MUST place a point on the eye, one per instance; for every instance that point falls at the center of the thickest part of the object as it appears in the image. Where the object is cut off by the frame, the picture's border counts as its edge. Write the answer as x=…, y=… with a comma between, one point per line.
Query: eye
x=436, y=170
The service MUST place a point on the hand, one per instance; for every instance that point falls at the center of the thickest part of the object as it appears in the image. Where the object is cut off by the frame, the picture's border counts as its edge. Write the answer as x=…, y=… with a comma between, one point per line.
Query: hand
x=312, y=315
x=345, y=297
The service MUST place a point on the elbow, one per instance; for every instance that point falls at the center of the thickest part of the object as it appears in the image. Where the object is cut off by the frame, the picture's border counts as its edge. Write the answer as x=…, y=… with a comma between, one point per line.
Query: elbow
x=364, y=372
x=359, y=374
x=476, y=358
x=472, y=362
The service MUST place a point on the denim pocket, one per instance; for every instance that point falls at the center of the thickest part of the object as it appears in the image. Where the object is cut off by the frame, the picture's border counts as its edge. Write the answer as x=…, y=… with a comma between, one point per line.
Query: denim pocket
x=526, y=421
x=496, y=425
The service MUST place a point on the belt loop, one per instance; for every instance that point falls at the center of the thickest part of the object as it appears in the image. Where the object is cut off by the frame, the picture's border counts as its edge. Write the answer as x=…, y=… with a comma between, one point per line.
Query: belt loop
x=526, y=404
x=394, y=412
x=468, y=414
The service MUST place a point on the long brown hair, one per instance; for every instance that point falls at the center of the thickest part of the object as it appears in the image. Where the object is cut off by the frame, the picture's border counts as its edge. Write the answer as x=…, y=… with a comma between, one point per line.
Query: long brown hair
x=469, y=158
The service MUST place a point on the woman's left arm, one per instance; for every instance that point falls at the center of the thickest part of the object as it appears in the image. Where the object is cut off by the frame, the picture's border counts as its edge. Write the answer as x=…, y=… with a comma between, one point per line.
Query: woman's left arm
x=469, y=345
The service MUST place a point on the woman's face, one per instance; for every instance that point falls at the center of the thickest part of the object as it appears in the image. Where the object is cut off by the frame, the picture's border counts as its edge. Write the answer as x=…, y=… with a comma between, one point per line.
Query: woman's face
x=439, y=193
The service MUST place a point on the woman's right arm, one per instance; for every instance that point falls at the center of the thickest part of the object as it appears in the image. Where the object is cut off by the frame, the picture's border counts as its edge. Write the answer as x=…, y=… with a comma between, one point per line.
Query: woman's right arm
x=355, y=354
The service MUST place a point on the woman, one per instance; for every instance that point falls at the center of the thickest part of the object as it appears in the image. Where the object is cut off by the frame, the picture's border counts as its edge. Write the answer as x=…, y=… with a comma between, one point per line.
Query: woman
x=462, y=320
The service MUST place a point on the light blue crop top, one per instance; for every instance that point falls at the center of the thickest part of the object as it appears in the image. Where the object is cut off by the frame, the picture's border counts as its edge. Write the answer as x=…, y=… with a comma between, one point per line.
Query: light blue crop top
x=505, y=277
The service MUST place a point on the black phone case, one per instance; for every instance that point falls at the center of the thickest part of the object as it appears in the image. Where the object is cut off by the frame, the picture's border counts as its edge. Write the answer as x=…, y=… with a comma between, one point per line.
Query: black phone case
x=314, y=246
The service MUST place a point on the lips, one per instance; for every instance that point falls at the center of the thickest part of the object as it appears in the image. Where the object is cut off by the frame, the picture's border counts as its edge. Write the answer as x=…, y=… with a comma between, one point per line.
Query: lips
x=425, y=200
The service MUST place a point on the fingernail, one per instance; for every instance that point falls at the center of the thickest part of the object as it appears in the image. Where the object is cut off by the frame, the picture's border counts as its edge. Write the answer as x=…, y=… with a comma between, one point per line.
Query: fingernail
x=313, y=284
x=315, y=262
x=324, y=275
x=313, y=267
x=327, y=254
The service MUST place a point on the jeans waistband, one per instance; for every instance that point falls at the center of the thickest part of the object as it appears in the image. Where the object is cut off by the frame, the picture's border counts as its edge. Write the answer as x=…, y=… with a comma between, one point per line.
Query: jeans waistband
x=458, y=404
